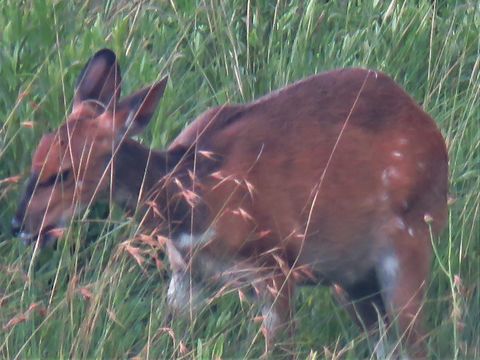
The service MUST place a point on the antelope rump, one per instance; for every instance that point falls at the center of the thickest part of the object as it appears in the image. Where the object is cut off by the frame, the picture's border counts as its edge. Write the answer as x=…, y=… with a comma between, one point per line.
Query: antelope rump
x=339, y=179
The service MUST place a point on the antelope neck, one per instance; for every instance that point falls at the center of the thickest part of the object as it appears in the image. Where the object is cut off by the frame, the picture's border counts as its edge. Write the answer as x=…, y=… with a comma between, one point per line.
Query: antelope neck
x=140, y=178
x=137, y=169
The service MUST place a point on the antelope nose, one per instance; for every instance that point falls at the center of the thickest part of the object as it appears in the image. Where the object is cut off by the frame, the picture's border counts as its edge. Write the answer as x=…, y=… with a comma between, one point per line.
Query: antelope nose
x=16, y=226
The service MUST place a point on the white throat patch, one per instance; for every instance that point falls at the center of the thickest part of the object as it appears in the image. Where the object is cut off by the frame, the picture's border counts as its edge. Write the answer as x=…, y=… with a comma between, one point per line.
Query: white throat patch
x=187, y=241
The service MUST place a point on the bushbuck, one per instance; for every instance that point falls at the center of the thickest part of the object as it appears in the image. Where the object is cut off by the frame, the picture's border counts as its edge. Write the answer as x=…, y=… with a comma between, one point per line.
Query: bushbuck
x=339, y=179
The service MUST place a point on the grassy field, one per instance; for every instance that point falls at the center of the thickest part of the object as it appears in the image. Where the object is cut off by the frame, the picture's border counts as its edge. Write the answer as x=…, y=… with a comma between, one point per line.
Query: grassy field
x=94, y=298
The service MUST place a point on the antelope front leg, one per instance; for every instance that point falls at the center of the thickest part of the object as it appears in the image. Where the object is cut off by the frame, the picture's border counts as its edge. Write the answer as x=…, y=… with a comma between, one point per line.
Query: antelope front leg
x=183, y=296
x=276, y=294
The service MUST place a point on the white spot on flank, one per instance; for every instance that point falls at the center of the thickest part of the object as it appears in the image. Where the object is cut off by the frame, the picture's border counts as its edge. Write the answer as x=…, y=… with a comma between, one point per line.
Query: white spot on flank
x=384, y=197
x=385, y=177
x=397, y=154
x=399, y=223
x=410, y=231
x=421, y=165
x=185, y=240
x=403, y=141
x=390, y=173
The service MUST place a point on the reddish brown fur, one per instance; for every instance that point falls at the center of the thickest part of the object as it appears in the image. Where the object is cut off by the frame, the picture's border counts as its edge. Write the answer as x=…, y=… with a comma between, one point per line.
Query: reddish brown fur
x=333, y=175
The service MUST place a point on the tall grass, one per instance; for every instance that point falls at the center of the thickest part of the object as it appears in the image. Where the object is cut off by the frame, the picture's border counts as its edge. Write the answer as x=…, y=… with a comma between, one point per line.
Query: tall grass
x=96, y=297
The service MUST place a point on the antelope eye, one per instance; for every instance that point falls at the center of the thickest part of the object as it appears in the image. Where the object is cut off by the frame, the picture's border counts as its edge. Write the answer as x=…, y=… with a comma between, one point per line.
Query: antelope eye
x=63, y=176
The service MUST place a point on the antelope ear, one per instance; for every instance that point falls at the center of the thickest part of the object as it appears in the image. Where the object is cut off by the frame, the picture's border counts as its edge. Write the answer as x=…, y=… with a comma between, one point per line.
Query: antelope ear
x=99, y=80
x=134, y=112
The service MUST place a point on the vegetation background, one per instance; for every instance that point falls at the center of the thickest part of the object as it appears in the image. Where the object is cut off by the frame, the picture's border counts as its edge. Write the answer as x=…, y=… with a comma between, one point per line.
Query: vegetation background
x=101, y=295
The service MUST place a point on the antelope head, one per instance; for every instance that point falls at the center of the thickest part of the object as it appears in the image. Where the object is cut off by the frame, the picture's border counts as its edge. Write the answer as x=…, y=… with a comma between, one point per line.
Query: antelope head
x=72, y=166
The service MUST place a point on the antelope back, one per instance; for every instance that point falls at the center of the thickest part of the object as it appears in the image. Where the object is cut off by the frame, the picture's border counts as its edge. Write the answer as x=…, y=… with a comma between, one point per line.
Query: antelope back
x=333, y=158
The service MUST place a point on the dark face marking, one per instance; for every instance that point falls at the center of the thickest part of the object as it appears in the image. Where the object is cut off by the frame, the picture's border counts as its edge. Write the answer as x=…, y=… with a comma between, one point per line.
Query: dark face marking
x=32, y=183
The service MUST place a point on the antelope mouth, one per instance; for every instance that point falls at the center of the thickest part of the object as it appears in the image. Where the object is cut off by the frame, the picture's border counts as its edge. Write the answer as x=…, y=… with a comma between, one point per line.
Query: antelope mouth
x=44, y=238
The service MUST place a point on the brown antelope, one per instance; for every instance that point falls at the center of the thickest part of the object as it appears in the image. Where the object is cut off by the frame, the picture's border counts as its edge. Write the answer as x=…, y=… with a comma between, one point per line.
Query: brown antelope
x=338, y=179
